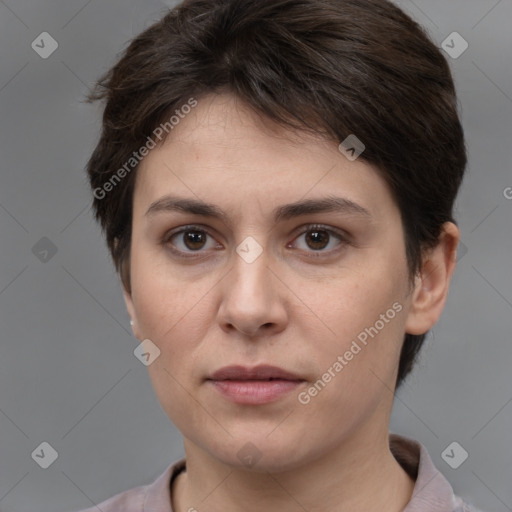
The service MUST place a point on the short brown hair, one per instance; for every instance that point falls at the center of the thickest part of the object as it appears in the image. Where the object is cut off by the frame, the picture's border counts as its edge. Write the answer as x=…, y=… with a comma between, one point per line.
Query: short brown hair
x=332, y=67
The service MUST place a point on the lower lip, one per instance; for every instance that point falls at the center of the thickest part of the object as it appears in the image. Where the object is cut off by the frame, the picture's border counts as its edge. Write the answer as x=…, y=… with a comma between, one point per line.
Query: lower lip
x=255, y=391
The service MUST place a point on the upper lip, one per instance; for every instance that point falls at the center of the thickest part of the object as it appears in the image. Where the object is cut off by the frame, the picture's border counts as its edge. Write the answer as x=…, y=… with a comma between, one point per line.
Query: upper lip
x=262, y=372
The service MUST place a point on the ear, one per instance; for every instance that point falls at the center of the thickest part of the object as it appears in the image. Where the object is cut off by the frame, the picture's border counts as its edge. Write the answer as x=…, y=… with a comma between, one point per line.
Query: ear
x=432, y=284
x=130, y=307
x=124, y=275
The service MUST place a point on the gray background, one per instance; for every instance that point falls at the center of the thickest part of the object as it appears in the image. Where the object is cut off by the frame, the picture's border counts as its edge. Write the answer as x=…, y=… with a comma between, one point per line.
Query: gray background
x=68, y=375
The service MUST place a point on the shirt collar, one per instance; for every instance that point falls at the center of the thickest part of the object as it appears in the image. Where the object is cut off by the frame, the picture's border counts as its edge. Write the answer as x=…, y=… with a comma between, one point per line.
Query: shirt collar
x=432, y=492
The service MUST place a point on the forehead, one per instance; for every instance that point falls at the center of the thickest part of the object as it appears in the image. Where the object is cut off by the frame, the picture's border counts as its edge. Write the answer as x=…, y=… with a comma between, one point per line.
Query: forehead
x=222, y=150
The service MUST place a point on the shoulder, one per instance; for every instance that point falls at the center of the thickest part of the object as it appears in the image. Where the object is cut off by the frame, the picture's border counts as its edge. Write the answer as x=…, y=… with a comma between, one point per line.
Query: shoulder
x=463, y=506
x=150, y=497
x=131, y=500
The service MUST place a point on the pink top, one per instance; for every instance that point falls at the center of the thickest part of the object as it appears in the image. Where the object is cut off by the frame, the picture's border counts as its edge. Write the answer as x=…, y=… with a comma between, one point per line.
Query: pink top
x=432, y=492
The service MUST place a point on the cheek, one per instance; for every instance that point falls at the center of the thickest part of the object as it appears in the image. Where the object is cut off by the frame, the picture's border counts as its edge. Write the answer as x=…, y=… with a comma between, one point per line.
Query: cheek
x=350, y=305
x=357, y=370
x=176, y=320
x=175, y=316
x=164, y=299
x=364, y=318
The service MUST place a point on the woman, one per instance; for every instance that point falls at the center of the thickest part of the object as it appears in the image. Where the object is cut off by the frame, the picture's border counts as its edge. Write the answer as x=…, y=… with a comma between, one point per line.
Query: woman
x=275, y=180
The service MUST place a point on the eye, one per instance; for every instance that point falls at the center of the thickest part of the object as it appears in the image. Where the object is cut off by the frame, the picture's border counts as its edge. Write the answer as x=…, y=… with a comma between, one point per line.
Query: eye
x=190, y=239
x=195, y=239
x=318, y=238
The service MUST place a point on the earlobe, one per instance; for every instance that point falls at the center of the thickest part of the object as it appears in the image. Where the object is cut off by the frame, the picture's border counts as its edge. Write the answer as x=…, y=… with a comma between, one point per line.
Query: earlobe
x=432, y=283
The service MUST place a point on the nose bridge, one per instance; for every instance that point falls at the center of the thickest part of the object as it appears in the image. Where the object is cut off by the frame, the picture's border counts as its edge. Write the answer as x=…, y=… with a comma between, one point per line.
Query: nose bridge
x=251, y=275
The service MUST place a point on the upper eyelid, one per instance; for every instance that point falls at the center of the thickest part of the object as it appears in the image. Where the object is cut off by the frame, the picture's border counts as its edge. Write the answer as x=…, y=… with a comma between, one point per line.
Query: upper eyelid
x=321, y=227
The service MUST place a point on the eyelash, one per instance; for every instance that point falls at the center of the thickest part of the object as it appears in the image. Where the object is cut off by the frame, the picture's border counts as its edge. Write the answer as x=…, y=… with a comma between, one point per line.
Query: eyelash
x=340, y=235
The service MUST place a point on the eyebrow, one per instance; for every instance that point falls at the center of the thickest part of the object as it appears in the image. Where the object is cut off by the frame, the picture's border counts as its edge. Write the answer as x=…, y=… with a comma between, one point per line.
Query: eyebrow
x=284, y=212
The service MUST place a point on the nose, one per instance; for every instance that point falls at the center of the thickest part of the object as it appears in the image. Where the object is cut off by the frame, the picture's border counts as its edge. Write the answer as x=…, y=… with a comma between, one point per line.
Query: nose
x=253, y=299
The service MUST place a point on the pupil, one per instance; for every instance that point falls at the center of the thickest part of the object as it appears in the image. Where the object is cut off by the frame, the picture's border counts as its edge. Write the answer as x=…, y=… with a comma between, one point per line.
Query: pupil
x=319, y=239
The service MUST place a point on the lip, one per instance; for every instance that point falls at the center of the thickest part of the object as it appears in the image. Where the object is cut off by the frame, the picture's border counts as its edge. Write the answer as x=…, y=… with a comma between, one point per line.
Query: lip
x=252, y=386
x=261, y=372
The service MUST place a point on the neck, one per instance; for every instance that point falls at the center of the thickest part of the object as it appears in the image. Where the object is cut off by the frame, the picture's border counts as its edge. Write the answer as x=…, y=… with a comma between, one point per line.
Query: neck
x=358, y=475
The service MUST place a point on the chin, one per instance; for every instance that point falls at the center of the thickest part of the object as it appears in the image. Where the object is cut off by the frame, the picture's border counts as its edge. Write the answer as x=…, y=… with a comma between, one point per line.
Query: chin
x=260, y=454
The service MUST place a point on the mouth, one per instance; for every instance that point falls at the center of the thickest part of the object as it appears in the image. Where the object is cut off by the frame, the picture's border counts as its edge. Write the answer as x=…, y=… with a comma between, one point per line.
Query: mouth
x=260, y=373
x=253, y=386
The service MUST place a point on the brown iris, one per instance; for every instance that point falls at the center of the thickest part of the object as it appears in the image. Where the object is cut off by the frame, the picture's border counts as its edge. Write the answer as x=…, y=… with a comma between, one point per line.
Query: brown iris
x=317, y=238
x=194, y=240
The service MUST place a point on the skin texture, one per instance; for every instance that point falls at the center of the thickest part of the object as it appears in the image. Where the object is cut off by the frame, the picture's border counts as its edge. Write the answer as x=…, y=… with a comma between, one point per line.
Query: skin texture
x=293, y=307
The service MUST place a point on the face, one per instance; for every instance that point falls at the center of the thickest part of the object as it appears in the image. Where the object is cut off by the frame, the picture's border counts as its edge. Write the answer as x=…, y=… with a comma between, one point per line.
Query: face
x=298, y=263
